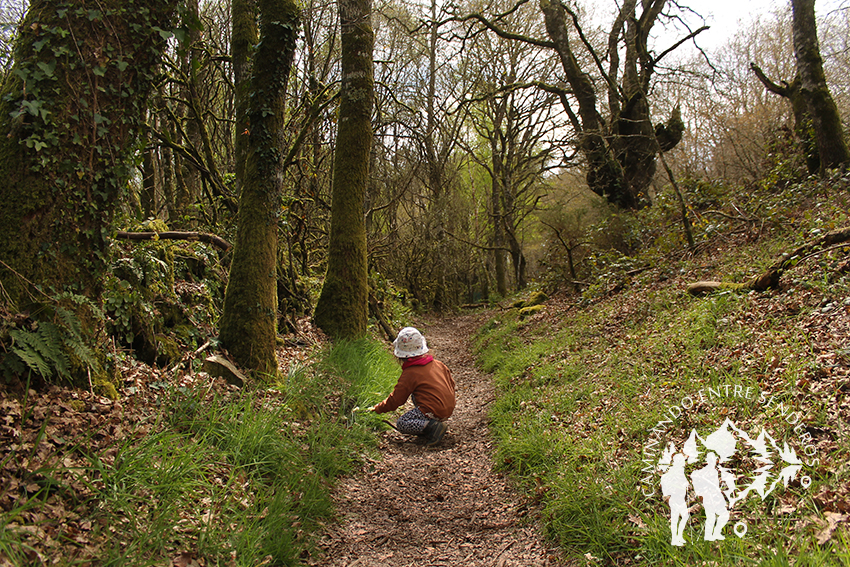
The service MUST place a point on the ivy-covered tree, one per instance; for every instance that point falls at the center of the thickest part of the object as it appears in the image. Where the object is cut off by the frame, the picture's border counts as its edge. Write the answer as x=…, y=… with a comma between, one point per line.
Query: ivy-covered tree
x=248, y=327
x=71, y=110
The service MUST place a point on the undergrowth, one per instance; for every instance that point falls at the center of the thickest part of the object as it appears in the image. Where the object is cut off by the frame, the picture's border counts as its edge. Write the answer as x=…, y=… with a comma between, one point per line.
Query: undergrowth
x=232, y=477
x=593, y=390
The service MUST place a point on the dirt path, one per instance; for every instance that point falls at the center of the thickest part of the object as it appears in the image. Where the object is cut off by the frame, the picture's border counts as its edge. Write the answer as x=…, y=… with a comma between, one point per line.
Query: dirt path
x=440, y=506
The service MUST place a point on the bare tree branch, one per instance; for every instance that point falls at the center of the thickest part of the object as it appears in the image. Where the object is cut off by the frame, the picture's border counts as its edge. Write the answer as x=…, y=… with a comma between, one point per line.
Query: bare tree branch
x=502, y=33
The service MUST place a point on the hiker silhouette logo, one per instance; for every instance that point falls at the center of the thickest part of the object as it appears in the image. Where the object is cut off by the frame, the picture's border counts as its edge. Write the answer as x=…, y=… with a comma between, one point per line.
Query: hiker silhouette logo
x=715, y=484
x=719, y=467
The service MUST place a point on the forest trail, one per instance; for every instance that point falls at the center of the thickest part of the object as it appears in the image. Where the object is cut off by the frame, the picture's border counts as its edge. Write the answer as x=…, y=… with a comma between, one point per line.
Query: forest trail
x=439, y=506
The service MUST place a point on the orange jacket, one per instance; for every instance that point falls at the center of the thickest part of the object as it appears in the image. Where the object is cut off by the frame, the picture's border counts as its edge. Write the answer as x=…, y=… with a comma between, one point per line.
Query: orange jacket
x=432, y=386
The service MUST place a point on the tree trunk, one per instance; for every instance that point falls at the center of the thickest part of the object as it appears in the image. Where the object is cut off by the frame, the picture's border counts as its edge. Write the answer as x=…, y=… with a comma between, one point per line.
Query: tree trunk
x=621, y=154
x=826, y=121
x=147, y=198
x=71, y=110
x=498, y=239
x=802, y=119
x=243, y=38
x=342, y=309
x=248, y=327
x=604, y=174
x=189, y=192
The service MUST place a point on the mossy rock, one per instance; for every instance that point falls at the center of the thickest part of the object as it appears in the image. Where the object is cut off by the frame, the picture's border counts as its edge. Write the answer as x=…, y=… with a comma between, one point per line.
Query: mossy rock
x=536, y=298
x=168, y=350
x=103, y=387
x=527, y=312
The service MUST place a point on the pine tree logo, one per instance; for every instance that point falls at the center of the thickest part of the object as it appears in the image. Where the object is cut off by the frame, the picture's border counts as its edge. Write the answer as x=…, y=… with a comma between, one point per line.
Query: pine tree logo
x=722, y=470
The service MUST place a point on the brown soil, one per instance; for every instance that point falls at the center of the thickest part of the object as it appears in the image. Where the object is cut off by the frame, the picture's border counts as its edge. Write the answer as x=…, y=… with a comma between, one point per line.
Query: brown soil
x=442, y=505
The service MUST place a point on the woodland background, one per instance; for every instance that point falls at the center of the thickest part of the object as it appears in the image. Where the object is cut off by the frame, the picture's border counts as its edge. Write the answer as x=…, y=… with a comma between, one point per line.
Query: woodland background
x=175, y=181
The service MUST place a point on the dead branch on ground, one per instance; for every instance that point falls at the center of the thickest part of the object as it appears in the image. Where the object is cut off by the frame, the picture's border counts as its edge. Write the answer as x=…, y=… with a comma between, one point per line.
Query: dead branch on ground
x=770, y=277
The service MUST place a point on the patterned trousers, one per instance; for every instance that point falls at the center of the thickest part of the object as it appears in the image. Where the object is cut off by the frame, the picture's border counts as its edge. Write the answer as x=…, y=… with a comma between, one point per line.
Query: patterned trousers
x=412, y=422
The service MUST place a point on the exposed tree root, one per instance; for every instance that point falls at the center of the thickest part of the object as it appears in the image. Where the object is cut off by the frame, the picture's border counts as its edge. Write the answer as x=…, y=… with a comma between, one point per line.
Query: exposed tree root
x=770, y=277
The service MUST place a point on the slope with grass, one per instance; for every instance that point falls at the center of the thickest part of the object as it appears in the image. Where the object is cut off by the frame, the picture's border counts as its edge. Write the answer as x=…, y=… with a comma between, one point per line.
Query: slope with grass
x=594, y=388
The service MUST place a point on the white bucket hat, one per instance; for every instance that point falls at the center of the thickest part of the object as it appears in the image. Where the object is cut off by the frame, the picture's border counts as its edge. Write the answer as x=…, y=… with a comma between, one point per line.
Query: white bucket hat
x=409, y=343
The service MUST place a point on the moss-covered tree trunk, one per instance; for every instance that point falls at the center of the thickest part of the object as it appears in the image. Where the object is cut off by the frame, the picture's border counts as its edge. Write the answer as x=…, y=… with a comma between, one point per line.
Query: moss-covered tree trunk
x=248, y=326
x=826, y=121
x=71, y=110
x=243, y=37
x=343, y=304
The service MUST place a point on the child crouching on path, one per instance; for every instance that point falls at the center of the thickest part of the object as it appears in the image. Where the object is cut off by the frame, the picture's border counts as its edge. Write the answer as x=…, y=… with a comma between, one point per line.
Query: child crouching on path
x=428, y=382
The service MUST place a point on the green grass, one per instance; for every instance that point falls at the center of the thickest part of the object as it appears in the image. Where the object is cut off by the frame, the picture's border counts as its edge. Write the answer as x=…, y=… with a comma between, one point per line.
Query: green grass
x=578, y=397
x=238, y=479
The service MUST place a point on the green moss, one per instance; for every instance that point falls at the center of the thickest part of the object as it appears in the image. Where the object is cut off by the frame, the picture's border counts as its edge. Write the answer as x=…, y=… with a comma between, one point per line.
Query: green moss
x=103, y=387
x=527, y=312
x=168, y=350
x=536, y=298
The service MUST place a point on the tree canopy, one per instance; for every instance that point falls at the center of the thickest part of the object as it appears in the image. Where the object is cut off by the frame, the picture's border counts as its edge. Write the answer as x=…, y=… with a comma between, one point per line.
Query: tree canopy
x=498, y=145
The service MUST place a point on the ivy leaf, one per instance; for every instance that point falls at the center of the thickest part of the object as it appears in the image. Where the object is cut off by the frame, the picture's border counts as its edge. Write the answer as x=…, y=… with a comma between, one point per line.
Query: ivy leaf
x=122, y=65
x=165, y=34
x=99, y=71
x=47, y=68
x=37, y=144
x=32, y=106
x=39, y=45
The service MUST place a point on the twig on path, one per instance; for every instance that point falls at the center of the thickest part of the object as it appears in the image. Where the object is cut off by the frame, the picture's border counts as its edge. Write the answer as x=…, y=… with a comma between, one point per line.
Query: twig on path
x=188, y=358
x=500, y=559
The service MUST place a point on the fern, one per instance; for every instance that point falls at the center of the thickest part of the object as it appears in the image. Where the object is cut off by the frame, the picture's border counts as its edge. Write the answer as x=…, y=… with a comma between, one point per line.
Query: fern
x=24, y=346
x=48, y=349
x=51, y=347
x=69, y=320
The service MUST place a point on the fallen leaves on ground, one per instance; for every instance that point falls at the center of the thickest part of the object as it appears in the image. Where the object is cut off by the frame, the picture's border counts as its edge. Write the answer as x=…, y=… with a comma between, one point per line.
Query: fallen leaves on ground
x=50, y=440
